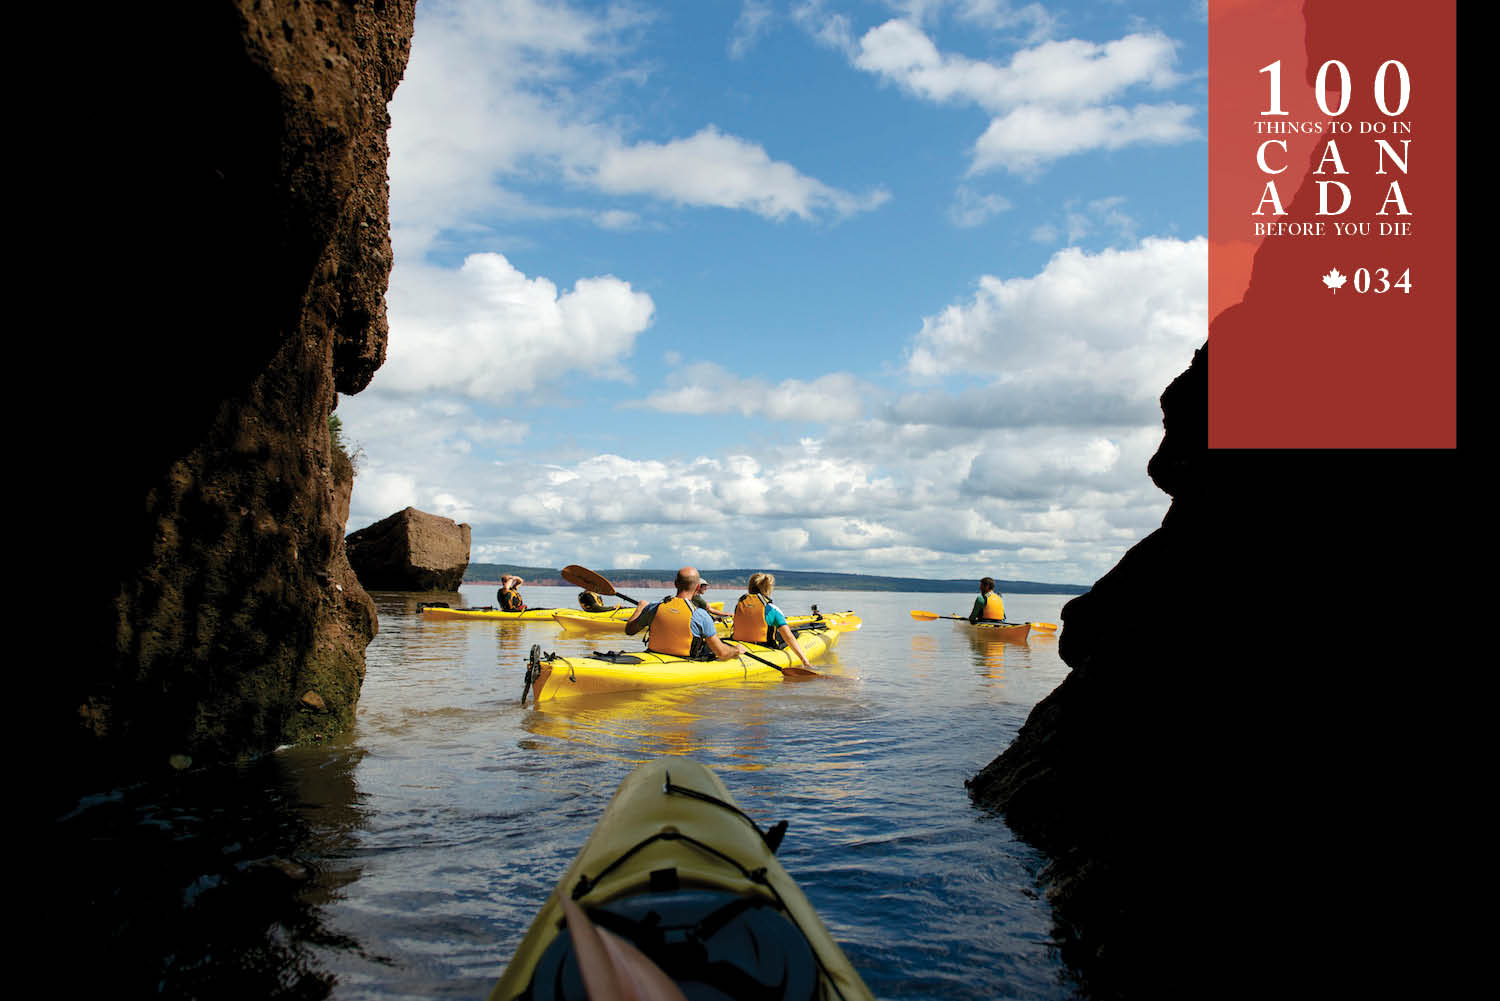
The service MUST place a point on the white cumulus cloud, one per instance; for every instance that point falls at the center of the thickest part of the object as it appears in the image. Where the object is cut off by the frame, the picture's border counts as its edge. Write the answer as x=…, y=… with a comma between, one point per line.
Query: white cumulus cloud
x=487, y=330
x=712, y=169
x=1051, y=100
x=1094, y=330
x=709, y=388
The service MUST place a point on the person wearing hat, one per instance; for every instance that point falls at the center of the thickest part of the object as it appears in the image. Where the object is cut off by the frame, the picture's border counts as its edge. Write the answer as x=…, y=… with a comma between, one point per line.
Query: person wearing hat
x=508, y=597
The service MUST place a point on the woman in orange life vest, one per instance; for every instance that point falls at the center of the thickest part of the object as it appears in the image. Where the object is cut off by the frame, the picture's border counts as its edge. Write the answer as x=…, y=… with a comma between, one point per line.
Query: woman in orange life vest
x=508, y=597
x=988, y=607
x=679, y=627
x=758, y=620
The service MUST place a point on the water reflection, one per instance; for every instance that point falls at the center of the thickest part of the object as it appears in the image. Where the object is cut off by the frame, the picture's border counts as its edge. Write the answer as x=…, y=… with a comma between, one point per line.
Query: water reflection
x=989, y=653
x=924, y=654
x=173, y=883
x=634, y=727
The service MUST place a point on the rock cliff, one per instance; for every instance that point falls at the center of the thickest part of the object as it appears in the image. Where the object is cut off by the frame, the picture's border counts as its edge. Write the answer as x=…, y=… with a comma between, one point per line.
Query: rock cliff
x=234, y=153
x=1240, y=783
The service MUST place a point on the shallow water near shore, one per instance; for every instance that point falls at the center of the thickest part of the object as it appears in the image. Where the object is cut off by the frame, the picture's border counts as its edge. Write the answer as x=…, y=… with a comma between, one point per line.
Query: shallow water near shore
x=406, y=859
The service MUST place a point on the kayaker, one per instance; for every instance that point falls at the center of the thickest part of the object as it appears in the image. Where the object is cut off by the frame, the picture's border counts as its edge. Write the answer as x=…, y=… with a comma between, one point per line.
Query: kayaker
x=702, y=602
x=988, y=607
x=679, y=627
x=591, y=602
x=508, y=597
x=758, y=620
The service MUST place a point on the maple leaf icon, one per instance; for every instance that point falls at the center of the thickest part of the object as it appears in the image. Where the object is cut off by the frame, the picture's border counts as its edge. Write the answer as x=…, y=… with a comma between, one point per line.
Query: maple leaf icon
x=1334, y=280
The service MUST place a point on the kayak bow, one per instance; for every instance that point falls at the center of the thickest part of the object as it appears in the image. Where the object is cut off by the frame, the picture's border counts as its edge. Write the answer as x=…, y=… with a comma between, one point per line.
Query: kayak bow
x=679, y=872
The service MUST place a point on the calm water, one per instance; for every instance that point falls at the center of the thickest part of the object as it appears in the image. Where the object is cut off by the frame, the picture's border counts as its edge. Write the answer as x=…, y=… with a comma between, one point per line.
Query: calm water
x=407, y=859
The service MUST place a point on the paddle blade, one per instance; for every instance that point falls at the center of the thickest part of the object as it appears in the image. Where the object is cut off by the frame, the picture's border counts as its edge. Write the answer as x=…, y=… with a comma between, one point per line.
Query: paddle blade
x=799, y=672
x=587, y=579
x=924, y=616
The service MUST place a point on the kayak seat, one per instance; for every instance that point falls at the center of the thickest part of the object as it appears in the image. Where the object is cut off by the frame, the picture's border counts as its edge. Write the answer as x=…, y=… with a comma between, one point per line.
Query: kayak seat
x=717, y=946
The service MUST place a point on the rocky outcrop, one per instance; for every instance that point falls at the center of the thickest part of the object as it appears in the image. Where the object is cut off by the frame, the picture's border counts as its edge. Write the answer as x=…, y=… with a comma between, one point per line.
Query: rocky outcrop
x=234, y=153
x=1214, y=780
x=410, y=551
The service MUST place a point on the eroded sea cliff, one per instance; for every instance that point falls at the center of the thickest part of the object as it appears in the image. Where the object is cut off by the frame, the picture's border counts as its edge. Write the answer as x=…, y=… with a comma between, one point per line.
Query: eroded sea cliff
x=236, y=153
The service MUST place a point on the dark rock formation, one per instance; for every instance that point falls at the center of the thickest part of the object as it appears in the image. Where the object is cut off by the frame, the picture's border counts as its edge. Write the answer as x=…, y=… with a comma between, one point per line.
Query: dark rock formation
x=233, y=153
x=1213, y=781
x=410, y=551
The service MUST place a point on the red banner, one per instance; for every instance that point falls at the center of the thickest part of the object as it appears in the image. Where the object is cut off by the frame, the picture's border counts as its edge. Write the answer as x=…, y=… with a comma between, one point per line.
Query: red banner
x=1332, y=224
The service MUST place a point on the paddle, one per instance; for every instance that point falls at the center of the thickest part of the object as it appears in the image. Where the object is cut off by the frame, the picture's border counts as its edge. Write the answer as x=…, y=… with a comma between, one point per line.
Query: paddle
x=929, y=616
x=792, y=672
x=590, y=581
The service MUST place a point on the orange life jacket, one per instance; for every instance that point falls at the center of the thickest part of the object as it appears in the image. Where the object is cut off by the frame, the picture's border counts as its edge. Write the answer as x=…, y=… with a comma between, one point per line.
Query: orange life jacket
x=750, y=619
x=672, y=628
x=994, y=608
x=510, y=600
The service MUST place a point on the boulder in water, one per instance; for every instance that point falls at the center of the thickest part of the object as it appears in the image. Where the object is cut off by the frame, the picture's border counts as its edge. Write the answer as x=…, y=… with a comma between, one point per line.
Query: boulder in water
x=410, y=551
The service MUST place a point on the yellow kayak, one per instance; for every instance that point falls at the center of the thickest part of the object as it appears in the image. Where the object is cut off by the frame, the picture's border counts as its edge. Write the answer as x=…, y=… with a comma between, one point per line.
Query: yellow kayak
x=679, y=872
x=549, y=676
x=440, y=610
x=1011, y=632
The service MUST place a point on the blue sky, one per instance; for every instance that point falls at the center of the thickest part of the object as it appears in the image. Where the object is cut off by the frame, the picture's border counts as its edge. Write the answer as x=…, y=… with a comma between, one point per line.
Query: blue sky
x=866, y=287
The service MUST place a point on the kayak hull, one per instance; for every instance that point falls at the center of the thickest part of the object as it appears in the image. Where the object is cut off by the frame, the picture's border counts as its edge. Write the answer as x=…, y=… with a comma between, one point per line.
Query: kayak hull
x=555, y=677
x=487, y=613
x=671, y=829
x=617, y=615
x=1010, y=632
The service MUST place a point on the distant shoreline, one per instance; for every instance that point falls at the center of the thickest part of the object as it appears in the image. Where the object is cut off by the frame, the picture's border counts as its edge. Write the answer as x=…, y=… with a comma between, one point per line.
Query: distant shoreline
x=797, y=580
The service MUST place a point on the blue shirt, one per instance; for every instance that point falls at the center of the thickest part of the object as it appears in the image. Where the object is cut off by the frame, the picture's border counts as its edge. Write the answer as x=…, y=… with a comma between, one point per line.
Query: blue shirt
x=775, y=618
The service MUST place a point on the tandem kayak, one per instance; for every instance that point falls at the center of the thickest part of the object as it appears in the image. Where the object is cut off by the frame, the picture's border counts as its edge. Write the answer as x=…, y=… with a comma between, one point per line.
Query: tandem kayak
x=549, y=676
x=680, y=872
x=582, y=622
x=439, y=610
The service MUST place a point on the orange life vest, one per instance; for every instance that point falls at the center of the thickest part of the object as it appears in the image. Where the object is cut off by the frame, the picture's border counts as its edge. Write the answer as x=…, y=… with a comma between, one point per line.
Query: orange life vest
x=510, y=600
x=994, y=608
x=672, y=628
x=750, y=619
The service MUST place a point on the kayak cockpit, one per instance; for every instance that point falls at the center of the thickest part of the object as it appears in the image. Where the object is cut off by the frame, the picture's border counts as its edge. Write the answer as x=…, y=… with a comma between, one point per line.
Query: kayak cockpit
x=713, y=944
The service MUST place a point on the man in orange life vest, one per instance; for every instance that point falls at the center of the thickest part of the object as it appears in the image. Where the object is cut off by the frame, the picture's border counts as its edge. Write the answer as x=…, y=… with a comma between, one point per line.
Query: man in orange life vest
x=987, y=607
x=678, y=627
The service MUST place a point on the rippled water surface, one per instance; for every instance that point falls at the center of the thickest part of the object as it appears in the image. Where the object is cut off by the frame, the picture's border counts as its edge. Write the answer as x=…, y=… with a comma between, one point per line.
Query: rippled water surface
x=407, y=859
